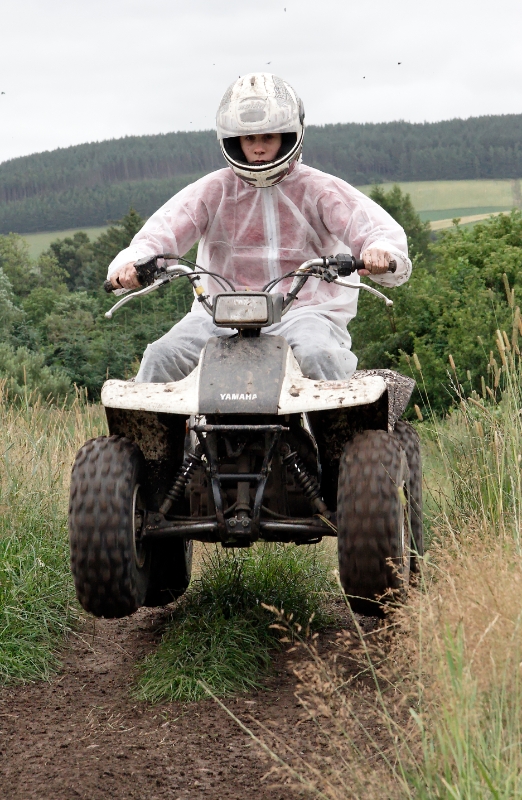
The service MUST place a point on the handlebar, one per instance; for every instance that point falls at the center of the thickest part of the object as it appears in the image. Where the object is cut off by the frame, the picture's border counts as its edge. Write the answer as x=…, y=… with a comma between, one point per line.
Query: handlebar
x=147, y=268
x=151, y=276
x=330, y=269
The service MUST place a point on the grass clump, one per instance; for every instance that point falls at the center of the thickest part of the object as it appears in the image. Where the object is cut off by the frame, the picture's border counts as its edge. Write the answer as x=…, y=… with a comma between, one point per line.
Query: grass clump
x=221, y=633
x=37, y=446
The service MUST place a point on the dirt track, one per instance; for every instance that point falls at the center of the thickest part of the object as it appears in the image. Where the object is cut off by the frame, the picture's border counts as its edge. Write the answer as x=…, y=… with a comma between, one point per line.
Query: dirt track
x=81, y=736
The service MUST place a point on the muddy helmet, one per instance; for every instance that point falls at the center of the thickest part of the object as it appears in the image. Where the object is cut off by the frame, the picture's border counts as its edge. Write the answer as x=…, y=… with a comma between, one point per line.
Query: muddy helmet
x=261, y=103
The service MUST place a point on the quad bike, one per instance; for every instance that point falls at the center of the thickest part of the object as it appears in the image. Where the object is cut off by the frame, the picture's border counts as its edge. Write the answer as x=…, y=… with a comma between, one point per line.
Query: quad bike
x=246, y=448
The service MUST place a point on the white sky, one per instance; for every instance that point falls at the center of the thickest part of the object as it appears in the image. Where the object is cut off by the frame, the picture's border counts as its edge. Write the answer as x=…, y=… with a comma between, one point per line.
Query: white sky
x=75, y=71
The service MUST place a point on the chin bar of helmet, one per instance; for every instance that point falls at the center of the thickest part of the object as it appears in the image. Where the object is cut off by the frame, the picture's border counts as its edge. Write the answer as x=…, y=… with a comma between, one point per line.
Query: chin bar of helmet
x=170, y=274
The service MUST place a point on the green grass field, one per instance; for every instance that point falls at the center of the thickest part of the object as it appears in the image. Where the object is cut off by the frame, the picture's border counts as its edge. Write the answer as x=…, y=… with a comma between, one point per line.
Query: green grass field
x=436, y=201
x=38, y=242
x=454, y=195
x=451, y=213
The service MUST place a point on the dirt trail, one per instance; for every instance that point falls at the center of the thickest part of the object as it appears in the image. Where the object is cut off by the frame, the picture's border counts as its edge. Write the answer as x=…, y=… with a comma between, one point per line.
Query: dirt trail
x=82, y=736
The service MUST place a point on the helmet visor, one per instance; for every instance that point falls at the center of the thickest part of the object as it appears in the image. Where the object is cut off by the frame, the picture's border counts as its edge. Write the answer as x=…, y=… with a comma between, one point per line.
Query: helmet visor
x=234, y=151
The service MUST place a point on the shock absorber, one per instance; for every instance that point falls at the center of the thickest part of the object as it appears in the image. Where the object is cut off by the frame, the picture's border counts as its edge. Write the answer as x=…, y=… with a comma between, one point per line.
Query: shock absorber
x=307, y=482
x=190, y=464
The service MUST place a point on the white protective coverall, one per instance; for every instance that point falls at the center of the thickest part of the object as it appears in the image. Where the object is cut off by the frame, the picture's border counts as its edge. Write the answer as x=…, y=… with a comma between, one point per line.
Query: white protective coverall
x=251, y=235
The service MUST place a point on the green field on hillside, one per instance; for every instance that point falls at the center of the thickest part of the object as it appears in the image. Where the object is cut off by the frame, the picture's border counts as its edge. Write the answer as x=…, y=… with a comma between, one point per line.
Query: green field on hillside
x=451, y=213
x=38, y=242
x=434, y=200
x=439, y=201
x=465, y=195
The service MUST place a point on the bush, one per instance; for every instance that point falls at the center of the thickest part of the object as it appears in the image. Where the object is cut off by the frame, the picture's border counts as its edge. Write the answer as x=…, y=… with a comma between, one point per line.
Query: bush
x=453, y=302
x=24, y=373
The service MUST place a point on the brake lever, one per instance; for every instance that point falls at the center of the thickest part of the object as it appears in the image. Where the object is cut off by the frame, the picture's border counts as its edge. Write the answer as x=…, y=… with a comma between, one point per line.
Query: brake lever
x=370, y=289
x=165, y=276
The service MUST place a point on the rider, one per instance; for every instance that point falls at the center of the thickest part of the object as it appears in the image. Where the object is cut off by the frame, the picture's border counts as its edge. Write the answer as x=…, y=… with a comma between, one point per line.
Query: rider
x=259, y=218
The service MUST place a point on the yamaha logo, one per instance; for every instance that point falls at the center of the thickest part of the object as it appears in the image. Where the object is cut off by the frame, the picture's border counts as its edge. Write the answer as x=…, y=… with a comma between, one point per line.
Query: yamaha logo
x=239, y=396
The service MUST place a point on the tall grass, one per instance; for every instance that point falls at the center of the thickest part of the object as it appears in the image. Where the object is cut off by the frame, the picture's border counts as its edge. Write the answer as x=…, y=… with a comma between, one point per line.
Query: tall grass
x=37, y=447
x=221, y=634
x=468, y=639
x=468, y=624
x=431, y=706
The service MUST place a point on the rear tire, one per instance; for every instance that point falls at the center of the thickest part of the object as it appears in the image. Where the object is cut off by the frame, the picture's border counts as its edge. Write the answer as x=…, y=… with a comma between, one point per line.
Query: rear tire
x=109, y=563
x=409, y=441
x=372, y=521
x=170, y=571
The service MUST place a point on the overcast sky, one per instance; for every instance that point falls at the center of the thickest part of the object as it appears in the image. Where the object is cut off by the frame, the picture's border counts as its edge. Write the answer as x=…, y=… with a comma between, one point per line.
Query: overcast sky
x=74, y=71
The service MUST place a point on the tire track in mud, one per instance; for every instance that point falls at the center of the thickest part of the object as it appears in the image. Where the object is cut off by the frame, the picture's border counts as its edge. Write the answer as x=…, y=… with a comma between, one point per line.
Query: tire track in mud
x=83, y=736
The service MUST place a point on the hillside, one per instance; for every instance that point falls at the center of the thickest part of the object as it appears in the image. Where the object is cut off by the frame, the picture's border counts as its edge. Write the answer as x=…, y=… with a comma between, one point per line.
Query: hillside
x=436, y=201
x=88, y=184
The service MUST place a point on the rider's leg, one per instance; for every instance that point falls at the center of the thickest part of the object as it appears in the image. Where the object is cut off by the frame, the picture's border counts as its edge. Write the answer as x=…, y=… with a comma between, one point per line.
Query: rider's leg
x=177, y=353
x=321, y=347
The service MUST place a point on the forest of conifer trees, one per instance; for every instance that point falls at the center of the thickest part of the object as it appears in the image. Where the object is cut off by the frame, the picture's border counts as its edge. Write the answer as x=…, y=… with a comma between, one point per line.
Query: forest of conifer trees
x=89, y=184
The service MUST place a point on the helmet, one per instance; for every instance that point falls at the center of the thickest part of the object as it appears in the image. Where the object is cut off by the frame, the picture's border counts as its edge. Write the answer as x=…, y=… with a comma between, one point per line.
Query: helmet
x=261, y=103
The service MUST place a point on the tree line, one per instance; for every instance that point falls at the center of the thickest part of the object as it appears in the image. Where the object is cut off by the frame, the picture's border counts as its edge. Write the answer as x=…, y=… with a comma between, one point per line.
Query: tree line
x=89, y=206
x=88, y=184
x=53, y=333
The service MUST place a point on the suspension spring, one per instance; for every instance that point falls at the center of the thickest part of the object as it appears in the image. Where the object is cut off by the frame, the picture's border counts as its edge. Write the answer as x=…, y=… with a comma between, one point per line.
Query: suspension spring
x=190, y=464
x=307, y=482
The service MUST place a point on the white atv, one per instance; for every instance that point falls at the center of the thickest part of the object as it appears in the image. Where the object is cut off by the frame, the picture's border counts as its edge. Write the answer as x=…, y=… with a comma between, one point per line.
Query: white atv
x=246, y=448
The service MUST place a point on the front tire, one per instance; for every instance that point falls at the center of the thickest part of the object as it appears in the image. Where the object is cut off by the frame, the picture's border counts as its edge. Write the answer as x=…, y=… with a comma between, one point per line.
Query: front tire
x=373, y=521
x=109, y=563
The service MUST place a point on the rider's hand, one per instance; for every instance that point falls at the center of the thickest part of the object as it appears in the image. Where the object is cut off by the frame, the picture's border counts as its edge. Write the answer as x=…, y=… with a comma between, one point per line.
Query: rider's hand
x=376, y=261
x=125, y=278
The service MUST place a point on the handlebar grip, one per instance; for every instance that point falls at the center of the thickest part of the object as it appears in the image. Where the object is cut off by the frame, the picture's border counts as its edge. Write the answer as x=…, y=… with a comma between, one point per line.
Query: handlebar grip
x=348, y=264
x=392, y=266
x=108, y=287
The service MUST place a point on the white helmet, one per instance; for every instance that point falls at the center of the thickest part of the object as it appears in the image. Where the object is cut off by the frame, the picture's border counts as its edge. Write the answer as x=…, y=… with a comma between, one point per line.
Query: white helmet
x=261, y=103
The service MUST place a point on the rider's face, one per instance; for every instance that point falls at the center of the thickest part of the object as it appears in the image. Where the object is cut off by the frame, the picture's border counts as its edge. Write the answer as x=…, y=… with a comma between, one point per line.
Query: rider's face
x=258, y=148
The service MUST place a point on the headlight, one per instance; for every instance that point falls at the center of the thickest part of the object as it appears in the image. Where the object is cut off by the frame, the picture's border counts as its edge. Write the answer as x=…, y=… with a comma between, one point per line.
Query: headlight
x=238, y=309
x=247, y=309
